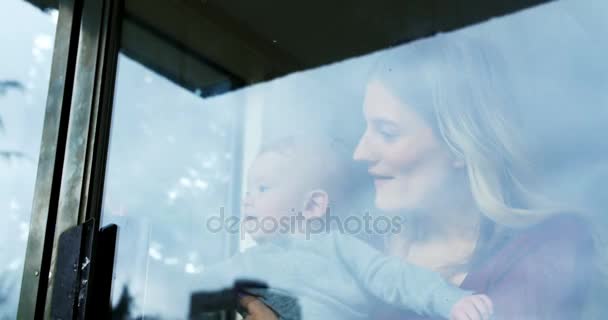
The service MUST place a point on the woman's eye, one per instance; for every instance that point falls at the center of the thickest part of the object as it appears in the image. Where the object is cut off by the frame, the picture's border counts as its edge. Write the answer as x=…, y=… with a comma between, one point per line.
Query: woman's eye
x=387, y=131
x=388, y=135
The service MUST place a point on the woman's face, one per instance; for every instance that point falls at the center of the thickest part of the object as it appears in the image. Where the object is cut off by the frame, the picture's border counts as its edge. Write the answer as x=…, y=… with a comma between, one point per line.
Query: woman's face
x=410, y=165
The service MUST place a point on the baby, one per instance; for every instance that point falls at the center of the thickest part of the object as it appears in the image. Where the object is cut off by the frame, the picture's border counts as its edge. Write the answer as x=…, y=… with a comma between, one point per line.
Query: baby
x=333, y=275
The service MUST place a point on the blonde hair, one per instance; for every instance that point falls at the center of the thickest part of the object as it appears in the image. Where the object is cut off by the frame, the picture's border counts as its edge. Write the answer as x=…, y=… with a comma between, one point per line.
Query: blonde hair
x=455, y=84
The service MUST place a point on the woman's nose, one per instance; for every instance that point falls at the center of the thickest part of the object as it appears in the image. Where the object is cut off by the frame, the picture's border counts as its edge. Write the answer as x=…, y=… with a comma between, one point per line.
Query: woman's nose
x=363, y=151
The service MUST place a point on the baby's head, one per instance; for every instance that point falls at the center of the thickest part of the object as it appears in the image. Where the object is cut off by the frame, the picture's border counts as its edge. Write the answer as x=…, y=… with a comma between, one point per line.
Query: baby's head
x=293, y=175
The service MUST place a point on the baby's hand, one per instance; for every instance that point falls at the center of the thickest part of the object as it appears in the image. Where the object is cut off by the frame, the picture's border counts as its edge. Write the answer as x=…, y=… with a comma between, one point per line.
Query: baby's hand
x=474, y=307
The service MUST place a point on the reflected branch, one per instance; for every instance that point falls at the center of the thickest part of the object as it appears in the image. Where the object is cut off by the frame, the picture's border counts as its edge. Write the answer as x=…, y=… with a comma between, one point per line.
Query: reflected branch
x=6, y=85
x=122, y=310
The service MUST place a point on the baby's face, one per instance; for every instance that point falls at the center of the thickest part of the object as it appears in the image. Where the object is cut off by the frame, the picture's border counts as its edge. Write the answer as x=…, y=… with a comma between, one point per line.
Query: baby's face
x=272, y=193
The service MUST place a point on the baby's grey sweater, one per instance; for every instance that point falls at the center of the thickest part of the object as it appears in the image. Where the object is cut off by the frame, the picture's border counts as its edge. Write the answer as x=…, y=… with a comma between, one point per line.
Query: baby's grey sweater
x=337, y=276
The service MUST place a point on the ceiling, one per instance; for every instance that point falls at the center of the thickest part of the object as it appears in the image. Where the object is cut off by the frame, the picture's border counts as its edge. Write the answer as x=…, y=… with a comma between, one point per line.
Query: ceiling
x=263, y=39
x=257, y=40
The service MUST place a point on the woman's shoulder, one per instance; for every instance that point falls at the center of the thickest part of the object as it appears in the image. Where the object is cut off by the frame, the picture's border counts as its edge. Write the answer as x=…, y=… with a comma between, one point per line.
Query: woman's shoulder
x=567, y=233
x=564, y=221
x=562, y=230
x=558, y=240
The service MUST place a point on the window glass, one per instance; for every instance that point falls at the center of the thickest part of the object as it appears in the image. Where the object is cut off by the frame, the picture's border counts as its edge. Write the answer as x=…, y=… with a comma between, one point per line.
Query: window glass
x=170, y=163
x=471, y=160
x=25, y=64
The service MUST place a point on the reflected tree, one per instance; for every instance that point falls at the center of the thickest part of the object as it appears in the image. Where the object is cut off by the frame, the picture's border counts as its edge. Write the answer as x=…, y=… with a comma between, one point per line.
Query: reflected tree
x=5, y=86
x=124, y=307
x=6, y=280
x=6, y=286
x=122, y=310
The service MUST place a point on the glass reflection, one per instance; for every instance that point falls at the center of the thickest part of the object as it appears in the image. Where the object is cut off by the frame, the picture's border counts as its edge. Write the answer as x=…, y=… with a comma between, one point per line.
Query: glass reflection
x=25, y=65
x=469, y=162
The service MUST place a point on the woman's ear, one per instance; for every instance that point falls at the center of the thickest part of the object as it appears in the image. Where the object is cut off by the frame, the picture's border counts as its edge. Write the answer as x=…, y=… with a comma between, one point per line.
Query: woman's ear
x=316, y=204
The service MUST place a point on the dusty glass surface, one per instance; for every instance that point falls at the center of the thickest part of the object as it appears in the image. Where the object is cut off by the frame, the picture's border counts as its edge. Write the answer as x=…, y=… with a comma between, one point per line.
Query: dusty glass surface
x=478, y=156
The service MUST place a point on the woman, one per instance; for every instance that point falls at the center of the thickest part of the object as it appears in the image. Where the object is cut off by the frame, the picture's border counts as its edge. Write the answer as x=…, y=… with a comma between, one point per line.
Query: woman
x=440, y=148
x=441, y=152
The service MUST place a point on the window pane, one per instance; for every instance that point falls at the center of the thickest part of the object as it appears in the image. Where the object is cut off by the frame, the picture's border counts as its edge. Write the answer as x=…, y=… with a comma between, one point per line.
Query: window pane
x=25, y=64
x=170, y=164
x=475, y=155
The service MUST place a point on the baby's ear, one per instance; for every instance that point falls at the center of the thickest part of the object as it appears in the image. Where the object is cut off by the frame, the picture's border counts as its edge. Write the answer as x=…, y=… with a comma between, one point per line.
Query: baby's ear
x=316, y=204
